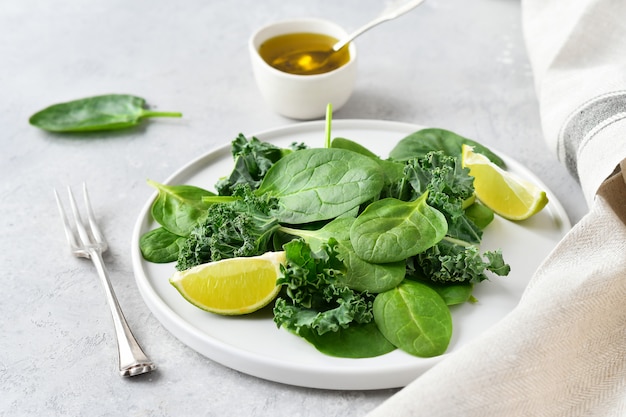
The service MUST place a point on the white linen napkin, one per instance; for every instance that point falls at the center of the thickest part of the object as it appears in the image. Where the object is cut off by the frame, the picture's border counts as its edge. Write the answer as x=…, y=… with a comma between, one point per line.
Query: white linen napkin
x=562, y=350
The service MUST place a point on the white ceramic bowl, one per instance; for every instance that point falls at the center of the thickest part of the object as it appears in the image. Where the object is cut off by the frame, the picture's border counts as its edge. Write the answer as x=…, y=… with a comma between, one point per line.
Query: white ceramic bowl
x=302, y=97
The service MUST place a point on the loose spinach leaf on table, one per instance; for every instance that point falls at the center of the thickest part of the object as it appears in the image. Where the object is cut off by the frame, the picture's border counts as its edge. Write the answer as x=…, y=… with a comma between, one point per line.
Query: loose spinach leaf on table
x=414, y=318
x=106, y=112
x=391, y=230
x=419, y=143
x=320, y=184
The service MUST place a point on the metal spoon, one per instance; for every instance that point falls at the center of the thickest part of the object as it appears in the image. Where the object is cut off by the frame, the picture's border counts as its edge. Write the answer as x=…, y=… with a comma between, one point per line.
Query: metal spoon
x=306, y=62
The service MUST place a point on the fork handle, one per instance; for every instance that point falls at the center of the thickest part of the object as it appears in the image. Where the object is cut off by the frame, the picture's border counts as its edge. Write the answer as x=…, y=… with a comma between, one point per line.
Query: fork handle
x=132, y=359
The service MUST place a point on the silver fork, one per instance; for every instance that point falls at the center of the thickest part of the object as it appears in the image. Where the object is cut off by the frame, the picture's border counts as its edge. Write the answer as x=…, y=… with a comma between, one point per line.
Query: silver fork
x=91, y=244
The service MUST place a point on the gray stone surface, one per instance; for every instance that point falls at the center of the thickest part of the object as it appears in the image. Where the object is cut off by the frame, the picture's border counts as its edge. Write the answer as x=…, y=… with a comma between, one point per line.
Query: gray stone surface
x=456, y=64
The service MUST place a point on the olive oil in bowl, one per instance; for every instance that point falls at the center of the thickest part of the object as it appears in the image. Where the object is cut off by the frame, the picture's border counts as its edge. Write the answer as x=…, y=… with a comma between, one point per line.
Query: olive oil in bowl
x=303, y=53
x=293, y=92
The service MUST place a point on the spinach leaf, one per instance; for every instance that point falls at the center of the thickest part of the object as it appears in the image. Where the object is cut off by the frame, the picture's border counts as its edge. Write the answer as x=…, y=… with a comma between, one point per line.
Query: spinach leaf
x=392, y=230
x=414, y=318
x=360, y=275
x=423, y=141
x=106, y=112
x=355, y=341
x=392, y=171
x=479, y=214
x=367, y=276
x=343, y=143
x=454, y=294
x=160, y=245
x=320, y=184
x=179, y=207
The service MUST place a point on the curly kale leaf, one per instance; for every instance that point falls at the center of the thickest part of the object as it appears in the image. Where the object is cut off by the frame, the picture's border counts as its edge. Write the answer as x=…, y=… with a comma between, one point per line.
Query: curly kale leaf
x=253, y=158
x=452, y=262
x=313, y=299
x=449, y=187
x=241, y=227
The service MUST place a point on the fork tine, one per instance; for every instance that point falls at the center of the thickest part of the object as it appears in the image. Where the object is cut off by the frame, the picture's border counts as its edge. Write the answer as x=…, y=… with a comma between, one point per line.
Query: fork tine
x=80, y=228
x=69, y=234
x=95, y=230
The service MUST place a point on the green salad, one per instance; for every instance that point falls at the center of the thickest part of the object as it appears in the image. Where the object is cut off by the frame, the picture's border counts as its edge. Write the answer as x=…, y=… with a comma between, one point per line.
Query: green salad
x=377, y=250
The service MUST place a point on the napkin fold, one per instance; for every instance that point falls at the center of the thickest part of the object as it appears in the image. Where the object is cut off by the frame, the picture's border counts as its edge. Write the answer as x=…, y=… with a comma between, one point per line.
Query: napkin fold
x=562, y=350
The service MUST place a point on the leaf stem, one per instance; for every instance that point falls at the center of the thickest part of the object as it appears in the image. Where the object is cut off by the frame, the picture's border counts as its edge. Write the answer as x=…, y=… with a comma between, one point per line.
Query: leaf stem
x=457, y=241
x=329, y=119
x=150, y=113
x=219, y=198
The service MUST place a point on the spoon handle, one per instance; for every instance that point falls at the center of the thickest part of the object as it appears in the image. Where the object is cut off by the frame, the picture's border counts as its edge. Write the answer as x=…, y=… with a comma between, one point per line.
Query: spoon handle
x=385, y=16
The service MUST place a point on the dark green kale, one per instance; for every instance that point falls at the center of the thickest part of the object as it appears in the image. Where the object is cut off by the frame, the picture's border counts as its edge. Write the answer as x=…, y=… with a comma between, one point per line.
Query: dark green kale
x=313, y=298
x=456, y=258
x=450, y=262
x=253, y=158
x=240, y=227
x=449, y=187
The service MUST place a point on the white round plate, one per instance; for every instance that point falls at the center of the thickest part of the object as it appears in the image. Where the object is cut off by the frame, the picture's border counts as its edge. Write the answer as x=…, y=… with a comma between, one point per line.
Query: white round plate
x=254, y=345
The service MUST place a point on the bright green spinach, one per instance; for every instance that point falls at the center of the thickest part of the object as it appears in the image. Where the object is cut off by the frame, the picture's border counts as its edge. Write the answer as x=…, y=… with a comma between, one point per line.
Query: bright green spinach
x=419, y=143
x=391, y=230
x=414, y=318
x=479, y=214
x=454, y=294
x=160, y=245
x=355, y=341
x=320, y=184
x=392, y=171
x=106, y=112
x=179, y=207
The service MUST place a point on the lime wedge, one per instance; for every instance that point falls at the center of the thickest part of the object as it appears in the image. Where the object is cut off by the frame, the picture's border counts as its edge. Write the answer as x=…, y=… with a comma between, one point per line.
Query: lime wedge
x=231, y=286
x=506, y=194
